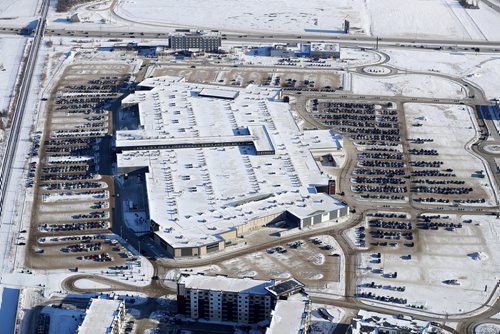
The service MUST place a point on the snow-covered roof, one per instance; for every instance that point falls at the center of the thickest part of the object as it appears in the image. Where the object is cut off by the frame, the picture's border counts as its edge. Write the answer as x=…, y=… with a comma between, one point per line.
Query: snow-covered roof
x=99, y=316
x=325, y=47
x=205, y=174
x=288, y=315
x=220, y=93
x=227, y=284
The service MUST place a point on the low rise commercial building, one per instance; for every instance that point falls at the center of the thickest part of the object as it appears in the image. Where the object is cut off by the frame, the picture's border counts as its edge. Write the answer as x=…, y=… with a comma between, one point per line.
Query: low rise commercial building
x=313, y=50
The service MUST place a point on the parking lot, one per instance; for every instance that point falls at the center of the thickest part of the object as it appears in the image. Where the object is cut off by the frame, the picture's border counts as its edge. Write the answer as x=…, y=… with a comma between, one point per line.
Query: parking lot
x=416, y=262
x=315, y=262
x=443, y=171
x=241, y=76
x=70, y=171
x=380, y=170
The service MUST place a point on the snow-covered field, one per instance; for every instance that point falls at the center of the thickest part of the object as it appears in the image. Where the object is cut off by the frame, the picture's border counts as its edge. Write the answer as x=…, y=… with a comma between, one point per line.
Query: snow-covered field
x=10, y=59
x=444, y=255
x=258, y=15
x=10, y=9
x=482, y=69
x=412, y=85
x=444, y=19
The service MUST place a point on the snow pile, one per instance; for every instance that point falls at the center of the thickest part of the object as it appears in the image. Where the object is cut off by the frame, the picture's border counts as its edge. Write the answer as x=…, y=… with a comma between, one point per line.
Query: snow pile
x=250, y=273
x=282, y=275
x=312, y=276
x=488, y=328
x=318, y=259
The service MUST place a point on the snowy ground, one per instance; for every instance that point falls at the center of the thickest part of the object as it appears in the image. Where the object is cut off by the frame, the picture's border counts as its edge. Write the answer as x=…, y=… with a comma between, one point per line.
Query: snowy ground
x=487, y=328
x=258, y=15
x=482, y=69
x=444, y=255
x=451, y=128
x=10, y=59
x=444, y=19
x=11, y=9
x=413, y=85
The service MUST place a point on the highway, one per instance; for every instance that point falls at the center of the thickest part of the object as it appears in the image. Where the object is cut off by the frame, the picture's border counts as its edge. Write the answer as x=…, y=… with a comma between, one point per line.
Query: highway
x=156, y=288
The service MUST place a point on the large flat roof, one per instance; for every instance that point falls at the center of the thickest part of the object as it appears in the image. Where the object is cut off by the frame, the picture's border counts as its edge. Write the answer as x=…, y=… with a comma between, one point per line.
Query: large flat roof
x=223, y=283
x=99, y=316
x=196, y=192
x=288, y=315
x=220, y=93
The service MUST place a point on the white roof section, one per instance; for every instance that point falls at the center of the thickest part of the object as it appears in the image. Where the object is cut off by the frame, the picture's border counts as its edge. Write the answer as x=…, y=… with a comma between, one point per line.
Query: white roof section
x=288, y=315
x=197, y=193
x=262, y=142
x=99, y=316
x=325, y=47
x=221, y=93
x=227, y=284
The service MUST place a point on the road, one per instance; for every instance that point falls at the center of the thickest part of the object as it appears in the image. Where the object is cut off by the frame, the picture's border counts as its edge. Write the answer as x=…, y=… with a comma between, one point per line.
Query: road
x=156, y=288
x=475, y=96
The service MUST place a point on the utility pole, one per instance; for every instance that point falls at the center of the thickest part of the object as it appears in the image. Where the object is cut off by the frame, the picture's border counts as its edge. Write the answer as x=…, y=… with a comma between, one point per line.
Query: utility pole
x=376, y=45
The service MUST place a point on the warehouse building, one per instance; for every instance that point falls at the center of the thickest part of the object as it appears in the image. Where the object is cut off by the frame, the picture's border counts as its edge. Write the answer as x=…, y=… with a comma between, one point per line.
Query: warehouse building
x=222, y=163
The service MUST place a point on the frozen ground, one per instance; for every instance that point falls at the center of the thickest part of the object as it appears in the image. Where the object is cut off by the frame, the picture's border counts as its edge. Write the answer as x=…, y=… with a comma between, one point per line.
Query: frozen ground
x=11, y=9
x=451, y=128
x=444, y=19
x=413, y=85
x=10, y=59
x=444, y=255
x=488, y=328
x=258, y=15
x=482, y=69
